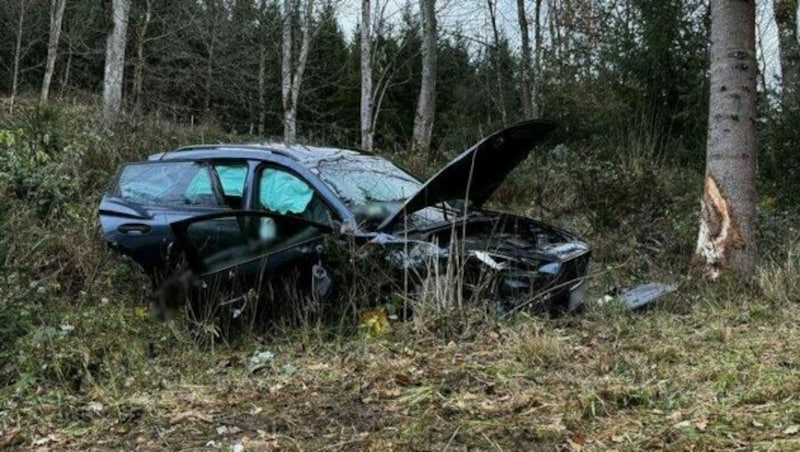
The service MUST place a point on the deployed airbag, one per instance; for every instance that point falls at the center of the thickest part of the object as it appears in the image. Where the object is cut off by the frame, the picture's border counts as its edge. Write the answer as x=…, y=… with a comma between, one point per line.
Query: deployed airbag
x=283, y=193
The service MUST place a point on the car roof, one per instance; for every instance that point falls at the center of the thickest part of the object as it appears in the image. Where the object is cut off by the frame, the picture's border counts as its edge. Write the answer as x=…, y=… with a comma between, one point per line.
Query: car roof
x=304, y=154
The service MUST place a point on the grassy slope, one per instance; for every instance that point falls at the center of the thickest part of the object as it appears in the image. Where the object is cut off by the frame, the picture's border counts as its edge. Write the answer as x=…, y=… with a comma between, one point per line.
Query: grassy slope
x=718, y=375
x=711, y=366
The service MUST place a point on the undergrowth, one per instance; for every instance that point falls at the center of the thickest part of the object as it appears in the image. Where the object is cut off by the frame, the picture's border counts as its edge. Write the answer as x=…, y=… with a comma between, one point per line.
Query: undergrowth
x=83, y=362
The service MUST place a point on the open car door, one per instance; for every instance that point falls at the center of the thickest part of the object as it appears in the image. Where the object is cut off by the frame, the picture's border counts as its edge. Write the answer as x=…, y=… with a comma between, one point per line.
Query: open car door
x=243, y=250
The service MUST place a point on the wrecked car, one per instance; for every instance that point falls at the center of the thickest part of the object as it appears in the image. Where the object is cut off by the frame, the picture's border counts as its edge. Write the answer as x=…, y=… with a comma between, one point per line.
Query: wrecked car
x=255, y=212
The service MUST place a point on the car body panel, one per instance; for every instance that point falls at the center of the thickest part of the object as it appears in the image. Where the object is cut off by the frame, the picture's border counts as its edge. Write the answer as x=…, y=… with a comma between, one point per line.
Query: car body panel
x=477, y=172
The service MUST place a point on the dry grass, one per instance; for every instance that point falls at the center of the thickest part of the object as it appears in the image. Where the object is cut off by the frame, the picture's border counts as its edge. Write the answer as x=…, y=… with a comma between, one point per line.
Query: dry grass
x=780, y=281
x=721, y=376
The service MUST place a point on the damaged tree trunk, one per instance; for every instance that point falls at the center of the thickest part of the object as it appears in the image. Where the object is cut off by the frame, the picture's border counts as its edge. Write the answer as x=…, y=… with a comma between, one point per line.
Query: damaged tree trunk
x=726, y=239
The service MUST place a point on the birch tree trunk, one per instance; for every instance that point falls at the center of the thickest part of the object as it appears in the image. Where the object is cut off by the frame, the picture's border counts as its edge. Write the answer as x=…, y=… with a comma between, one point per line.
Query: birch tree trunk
x=56, y=18
x=292, y=74
x=726, y=239
x=366, y=76
x=789, y=49
x=115, y=60
x=17, y=55
x=289, y=124
x=426, y=104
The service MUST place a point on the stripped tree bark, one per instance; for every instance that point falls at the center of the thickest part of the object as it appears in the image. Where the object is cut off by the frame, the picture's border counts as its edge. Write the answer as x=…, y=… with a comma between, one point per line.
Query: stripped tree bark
x=426, y=104
x=291, y=72
x=726, y=239
x=366, y=76
x=56, y=18
x=789, y=49
x=115, y=60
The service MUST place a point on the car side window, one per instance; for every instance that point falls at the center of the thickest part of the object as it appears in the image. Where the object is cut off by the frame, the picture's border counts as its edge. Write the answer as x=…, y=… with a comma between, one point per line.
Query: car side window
x=167, y=183
x=232, y=177
x=283, y=192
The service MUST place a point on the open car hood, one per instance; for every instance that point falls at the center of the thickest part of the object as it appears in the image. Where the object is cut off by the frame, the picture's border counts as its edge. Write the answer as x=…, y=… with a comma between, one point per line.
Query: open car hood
x=477, y=173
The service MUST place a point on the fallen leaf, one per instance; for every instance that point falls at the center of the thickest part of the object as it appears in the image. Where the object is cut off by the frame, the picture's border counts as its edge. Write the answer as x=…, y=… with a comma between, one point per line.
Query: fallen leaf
x=701, y=424
x=792, y=430
x=683, y=424
x=757, y=424
x=180, y=417
x=573, y=446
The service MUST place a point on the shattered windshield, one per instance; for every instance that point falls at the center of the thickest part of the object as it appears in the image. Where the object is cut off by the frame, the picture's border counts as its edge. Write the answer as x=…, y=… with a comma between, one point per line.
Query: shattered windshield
x=374, y=188
x=364, y=180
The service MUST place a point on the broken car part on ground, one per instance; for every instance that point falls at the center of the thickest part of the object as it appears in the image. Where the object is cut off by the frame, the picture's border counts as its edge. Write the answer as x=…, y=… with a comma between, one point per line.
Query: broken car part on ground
x=245, y=215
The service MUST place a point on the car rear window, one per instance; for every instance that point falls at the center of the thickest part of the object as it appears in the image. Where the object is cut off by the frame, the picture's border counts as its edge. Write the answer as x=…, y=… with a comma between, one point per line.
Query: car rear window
x=167, y=183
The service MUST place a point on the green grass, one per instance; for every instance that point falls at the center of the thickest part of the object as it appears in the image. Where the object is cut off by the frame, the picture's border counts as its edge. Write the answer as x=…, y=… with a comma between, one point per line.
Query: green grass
x=82, y=366
x=707, y=378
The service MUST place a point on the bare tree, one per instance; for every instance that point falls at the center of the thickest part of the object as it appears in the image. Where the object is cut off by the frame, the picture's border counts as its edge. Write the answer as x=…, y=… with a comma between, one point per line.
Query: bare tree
x=115, y=60
x=530, y=69
x=139, y=64
x=789, y=48
x=17, y=54
x=726, y=239
x=291, y=72
x=56, y=18
x=366, y=76
x=426, y=104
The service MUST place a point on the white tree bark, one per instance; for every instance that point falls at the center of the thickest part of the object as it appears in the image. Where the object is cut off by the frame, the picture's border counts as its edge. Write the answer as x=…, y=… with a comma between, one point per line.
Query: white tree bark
x=17, y=54
x=726, y=239
x=426, y=104
x=291, y=72
x=115, y=60
x=56, y=18
x=367, y=133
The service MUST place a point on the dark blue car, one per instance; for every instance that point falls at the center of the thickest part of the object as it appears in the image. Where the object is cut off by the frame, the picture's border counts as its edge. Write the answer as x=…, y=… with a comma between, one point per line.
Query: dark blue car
x=260, y=210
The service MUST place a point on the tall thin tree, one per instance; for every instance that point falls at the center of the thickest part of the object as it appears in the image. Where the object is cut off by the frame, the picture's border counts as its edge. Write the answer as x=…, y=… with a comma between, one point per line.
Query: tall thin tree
x=292, y=72
x=366, y=75
x=426, y=104
x=726, y=239
x=788, y=48
x=56, y=18
x=115, y=60
x=17, y=54
x=530, y=105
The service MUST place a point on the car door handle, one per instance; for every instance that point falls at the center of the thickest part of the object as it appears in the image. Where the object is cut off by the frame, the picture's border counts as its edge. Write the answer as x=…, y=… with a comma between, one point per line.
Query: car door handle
x=134, y=228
